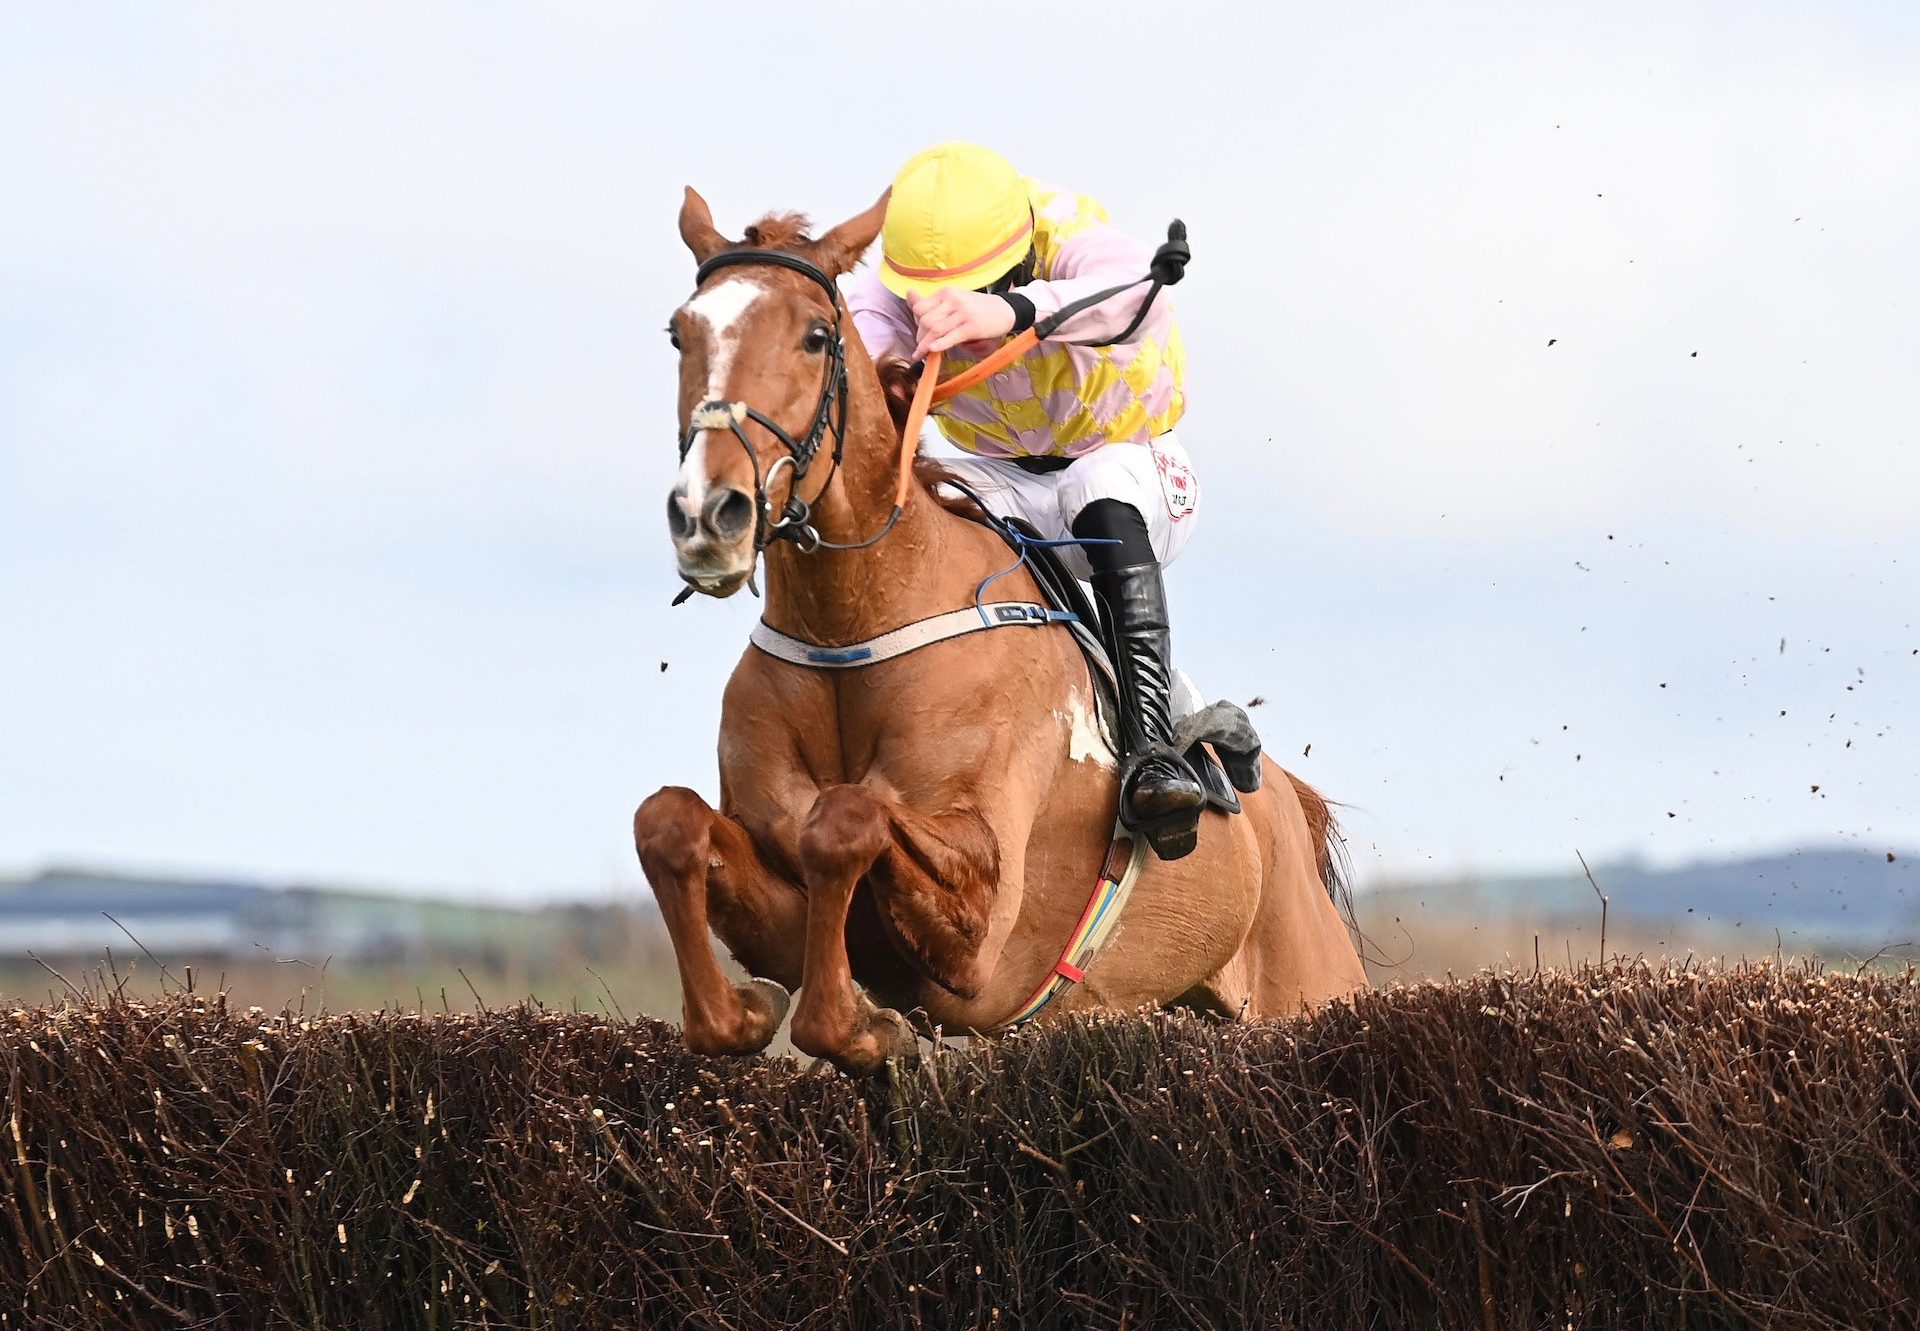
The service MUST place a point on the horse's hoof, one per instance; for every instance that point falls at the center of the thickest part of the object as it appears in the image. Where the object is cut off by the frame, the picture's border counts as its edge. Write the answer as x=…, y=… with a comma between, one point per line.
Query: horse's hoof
x=763, y=1006
x=766, y=996
x=887, y=1043
x=859, y=1043
x=882, y=1037
x=897, y=1036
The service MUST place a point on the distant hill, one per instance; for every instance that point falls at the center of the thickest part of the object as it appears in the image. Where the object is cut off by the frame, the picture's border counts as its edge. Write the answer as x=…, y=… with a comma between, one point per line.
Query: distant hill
x=1826, y=898
x=73, y=913
x=1824, y=893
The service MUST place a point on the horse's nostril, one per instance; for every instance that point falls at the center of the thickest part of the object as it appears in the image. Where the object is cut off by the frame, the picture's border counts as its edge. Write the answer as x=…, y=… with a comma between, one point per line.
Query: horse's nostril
x=679, y=521
x=728, y=514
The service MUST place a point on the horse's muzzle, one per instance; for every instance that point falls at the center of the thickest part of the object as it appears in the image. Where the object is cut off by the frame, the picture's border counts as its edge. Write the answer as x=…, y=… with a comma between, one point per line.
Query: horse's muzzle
x=725, y=517
x=713, y=542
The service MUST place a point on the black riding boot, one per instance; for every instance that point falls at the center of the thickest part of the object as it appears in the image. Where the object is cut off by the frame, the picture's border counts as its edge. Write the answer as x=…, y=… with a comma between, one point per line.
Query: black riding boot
x=1159, y=796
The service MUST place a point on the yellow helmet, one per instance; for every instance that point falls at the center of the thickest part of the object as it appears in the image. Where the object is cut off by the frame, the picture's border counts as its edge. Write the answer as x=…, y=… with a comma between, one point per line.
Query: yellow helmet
x=959, y=216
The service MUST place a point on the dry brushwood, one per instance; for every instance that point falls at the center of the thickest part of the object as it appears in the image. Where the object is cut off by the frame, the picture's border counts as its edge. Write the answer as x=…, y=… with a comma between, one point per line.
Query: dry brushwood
x=1626, y=1146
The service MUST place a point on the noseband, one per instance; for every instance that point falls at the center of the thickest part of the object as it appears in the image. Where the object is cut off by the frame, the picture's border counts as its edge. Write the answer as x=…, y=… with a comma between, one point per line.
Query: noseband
x=795, y=522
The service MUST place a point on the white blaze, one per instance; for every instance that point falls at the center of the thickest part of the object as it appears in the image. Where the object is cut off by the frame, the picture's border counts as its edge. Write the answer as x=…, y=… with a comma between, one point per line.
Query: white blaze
x=693, y=476
x=720, y=310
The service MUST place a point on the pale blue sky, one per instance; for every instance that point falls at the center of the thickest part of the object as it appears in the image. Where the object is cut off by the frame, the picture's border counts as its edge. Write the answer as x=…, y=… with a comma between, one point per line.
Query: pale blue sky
x=335, y=418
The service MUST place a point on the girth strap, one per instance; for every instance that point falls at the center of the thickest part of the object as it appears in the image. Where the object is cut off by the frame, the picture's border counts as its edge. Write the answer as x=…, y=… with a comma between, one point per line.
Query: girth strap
x=908, y=637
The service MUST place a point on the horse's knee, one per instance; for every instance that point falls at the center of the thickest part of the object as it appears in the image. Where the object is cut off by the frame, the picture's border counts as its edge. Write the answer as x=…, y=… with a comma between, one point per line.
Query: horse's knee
x=671, y=829
x=845, y=832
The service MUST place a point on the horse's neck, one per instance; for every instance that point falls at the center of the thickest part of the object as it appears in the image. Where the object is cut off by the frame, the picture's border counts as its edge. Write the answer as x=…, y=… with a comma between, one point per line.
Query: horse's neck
x=927, y=564
x=922, y=567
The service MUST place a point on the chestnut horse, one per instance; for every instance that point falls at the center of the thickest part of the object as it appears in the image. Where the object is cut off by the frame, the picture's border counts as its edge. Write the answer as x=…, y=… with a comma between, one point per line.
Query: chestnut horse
x=928, y=829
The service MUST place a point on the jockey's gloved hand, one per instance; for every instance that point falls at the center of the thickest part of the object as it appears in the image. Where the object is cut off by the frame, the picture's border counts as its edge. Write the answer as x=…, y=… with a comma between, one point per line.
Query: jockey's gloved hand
x=950, y=316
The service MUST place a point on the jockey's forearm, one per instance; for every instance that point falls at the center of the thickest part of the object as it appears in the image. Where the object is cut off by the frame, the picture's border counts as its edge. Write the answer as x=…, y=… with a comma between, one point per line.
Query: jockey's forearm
x=1096, y=259
x=882, y=333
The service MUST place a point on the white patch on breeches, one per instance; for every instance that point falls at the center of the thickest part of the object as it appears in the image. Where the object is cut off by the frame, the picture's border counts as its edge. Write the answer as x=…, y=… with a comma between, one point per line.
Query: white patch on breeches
x=1186, y=698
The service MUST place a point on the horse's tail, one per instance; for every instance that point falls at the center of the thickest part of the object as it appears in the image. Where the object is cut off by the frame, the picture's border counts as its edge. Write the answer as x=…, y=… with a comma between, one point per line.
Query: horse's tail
x=1328, y=849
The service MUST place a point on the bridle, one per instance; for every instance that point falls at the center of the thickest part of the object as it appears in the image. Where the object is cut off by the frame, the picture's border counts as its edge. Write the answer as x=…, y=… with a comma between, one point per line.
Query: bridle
x=795, y=522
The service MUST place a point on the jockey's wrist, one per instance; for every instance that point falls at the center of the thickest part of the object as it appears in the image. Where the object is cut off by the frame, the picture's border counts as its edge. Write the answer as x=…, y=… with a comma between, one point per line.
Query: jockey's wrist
x=1023, y=311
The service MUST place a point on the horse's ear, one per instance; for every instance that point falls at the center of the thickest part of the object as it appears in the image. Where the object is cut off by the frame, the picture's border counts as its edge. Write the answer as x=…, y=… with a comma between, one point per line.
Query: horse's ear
x=840, y=249
x=697, y=229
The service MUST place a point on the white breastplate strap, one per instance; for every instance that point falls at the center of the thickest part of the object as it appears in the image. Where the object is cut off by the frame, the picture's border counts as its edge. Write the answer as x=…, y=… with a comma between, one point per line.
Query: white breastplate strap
x=908, y=637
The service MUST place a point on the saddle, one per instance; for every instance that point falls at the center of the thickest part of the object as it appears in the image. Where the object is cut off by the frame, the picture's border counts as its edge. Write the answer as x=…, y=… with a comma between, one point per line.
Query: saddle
x=1217, y=739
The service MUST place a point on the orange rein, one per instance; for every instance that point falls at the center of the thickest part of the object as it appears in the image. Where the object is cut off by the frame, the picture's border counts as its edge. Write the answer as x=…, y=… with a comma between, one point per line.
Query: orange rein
x=923, y=395
x=932, y=388
x=1004, y=355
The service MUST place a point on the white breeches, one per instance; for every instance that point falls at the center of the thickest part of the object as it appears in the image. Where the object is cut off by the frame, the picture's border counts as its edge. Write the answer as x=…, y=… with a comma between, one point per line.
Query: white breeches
x=1154, y=478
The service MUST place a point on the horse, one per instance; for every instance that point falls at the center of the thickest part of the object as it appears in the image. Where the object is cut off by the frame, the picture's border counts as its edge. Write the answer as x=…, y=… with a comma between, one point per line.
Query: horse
x=918, y=836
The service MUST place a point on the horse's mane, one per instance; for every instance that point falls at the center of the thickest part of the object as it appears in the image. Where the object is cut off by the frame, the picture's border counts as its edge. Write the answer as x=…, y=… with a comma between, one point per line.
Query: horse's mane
x=898, y=377
x=781, y=231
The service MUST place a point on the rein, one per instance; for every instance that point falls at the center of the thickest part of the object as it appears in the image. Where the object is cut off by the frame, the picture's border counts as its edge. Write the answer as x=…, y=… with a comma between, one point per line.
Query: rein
x=795, y=522
x=1126, y=853
x=1168, y=267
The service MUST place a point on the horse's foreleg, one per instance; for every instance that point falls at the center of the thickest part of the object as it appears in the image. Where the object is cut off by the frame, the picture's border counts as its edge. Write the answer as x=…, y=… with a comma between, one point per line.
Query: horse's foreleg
x=934, y=877
x=706, y=872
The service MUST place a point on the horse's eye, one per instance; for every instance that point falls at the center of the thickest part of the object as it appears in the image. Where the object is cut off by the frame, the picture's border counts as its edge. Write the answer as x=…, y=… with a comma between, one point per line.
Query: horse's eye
x=816, y=340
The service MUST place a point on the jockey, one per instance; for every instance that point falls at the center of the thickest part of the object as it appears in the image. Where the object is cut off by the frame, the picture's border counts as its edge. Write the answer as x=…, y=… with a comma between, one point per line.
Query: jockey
x=1077, y=436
